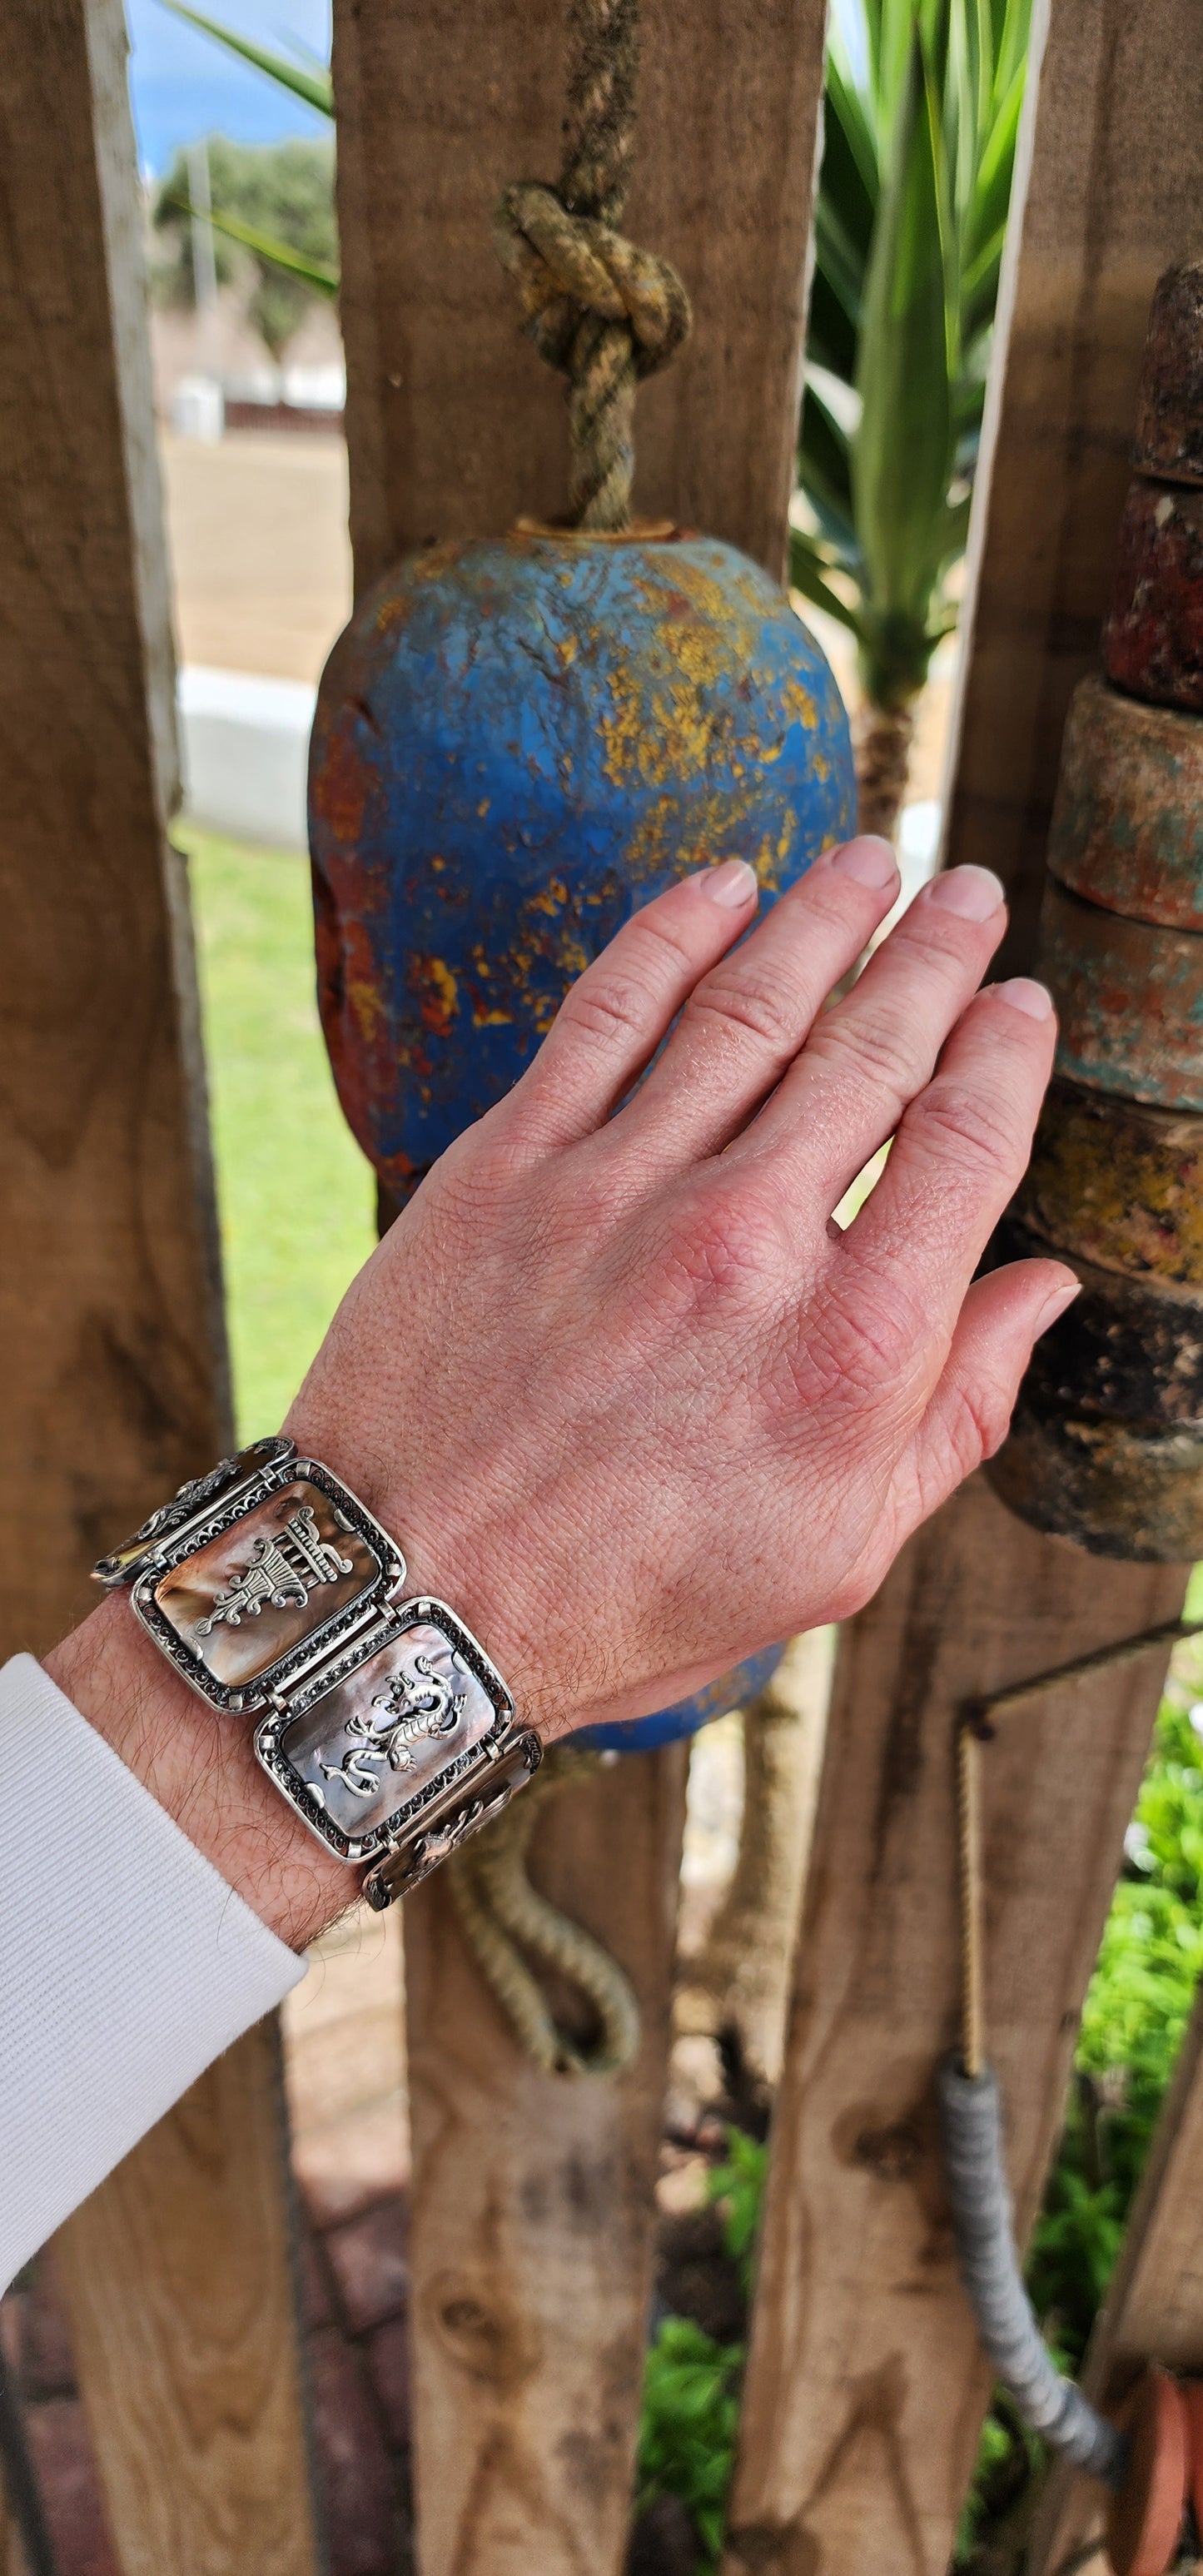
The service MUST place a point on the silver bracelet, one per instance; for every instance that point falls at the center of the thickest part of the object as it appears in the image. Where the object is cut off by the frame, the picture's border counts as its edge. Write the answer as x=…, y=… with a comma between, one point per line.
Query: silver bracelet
x=383, y=1722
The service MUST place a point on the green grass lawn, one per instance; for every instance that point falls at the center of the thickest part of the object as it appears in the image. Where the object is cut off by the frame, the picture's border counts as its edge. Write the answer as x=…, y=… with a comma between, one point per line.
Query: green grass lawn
x=295, y=1194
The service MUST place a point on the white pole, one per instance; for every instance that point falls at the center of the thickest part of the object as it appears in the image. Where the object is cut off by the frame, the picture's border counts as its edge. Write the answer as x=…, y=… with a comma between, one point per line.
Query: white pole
x=204, y=261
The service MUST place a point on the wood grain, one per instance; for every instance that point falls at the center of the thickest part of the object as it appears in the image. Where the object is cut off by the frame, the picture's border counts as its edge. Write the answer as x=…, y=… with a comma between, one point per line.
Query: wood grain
x=109, y=1295
x=1154, y=2308
x=12, y=2556
x=108, y=1311
x=192, y=2384
x=1112, y=158
x=533, y=2199
x=454, y=425
x=865, y=2389
x=532, y=2211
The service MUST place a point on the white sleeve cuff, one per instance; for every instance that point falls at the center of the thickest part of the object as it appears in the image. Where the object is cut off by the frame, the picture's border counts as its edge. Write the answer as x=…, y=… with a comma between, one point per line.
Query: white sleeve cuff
x=126, y=1963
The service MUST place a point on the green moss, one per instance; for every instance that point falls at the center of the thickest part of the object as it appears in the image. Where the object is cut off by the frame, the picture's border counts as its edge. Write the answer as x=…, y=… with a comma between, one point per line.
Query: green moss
x=294, y=1191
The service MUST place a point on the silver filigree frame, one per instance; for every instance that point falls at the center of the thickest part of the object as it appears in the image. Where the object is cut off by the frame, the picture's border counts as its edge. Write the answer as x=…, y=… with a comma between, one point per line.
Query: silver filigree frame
x=454, y=1778
x=358, y=1620
x=470, y=1788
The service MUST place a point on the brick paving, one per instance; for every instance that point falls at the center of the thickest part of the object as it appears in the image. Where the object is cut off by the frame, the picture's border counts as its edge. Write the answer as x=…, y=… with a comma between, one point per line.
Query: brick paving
x=355, y=2283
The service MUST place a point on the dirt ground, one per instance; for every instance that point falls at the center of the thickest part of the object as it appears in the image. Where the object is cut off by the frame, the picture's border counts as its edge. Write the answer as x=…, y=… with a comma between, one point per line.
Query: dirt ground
x=257, y=526
x=258, y=533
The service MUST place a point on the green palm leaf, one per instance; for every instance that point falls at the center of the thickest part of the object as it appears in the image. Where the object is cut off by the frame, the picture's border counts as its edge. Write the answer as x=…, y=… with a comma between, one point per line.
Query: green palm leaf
x=902, y=452
x=314, y=87
x=921, y=112
x=315, y=272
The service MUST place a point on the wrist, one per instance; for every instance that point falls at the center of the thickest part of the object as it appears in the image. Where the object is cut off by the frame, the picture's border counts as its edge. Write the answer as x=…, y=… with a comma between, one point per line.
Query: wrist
x=446, y=1555
x=201, y=1769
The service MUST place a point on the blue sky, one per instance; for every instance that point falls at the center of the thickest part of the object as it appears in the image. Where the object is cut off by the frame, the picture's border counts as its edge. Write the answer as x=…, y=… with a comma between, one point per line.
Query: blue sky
x=183, y=85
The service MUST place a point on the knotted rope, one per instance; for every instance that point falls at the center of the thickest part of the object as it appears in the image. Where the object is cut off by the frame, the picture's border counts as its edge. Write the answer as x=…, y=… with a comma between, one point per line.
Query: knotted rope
x=602, y=311
x=499, y=1910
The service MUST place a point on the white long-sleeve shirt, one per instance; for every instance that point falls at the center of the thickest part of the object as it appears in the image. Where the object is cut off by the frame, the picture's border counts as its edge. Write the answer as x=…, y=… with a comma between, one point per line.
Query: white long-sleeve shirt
x=126, y=1963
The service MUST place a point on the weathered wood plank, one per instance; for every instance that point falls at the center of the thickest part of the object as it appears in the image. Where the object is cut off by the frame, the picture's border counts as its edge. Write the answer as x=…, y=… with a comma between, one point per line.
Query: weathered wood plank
x=532, y=2206
x=865, y=2390
x=109, y=1310
x=1113, y=158
x=192, y=2382
x=12, y=2556
x=538, y=2196
x=454, y=425
x=109, y=1301
x=1154, y=2309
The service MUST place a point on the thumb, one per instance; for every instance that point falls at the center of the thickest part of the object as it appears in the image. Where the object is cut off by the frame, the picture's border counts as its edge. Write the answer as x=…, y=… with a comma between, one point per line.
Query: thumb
x=970, y=1411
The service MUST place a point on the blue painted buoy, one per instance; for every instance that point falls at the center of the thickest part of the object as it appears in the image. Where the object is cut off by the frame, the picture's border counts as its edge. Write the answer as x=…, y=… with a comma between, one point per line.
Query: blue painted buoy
x=517, y=743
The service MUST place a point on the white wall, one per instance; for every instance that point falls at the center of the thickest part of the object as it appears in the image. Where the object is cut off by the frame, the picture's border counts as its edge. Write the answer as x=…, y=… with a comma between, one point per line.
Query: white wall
x=244, y=750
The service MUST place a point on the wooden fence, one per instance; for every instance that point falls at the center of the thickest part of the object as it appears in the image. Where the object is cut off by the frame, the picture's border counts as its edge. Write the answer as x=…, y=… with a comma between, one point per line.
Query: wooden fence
x=532, y=2200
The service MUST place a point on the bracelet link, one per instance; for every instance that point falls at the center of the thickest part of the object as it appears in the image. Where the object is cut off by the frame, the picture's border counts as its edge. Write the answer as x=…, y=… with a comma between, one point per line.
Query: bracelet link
x=383, y=1721
x=413, y=1854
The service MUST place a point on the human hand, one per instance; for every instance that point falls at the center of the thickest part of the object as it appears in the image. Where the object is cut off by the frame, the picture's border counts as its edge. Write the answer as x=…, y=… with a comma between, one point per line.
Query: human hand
x=628, y=1398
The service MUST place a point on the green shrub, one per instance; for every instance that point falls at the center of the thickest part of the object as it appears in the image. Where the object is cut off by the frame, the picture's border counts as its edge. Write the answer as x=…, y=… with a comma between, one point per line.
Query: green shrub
x=738, y=2188
x=688, y=2425
x=1136, y=2010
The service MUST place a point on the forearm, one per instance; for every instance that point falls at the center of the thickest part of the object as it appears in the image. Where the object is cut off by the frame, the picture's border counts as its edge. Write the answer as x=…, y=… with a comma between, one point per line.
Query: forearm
x=199, y=1764
x=201, y=1769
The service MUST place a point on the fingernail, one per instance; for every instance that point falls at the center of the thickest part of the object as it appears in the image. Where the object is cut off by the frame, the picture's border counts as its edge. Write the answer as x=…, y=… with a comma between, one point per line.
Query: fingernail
x=732, y=884
x=1034, y=1000
x=974, y=893
x=870, y=860
x=1057, y=1303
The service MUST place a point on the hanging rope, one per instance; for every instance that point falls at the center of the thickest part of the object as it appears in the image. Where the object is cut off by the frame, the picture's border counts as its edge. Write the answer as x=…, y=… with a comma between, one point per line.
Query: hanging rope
x=503, y=1917
x=597, y=308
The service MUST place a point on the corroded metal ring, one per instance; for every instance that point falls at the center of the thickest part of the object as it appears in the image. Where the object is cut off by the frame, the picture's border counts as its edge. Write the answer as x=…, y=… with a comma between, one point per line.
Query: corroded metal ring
x=1116, y=1182
x=1129, y=996
x=1127, y=827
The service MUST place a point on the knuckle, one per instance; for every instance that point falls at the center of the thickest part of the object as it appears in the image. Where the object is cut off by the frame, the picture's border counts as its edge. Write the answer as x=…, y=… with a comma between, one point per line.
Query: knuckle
x=864, y=1341
x=879, y=1053
x=724, y=1245
x=622, y=995
x=606, y=1012
x=969, y=1129
x=977, y=1421
x=756, y=1005
x=653, y=940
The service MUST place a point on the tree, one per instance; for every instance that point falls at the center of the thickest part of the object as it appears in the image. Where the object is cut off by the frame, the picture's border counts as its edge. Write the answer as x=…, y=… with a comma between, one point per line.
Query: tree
x=273, y=214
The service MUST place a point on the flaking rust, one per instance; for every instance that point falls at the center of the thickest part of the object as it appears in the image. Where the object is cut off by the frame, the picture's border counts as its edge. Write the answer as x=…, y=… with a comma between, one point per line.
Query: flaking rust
x=1118, y=1183
x=1127, y=826
x=1129, y=996
x=517, y=743
x=1106, y=1447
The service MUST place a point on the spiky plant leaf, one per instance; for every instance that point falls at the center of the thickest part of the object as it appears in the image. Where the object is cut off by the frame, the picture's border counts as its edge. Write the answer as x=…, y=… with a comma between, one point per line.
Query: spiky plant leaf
x=312, y=86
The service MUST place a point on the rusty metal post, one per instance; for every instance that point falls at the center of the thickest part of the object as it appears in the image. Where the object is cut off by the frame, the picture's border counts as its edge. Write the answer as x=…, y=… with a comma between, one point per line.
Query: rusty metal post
x=1107, y=1443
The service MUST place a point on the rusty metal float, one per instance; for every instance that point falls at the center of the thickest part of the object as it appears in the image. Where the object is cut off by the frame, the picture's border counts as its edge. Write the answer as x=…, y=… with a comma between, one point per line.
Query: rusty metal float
x=1107, y=1443
x=521, y=739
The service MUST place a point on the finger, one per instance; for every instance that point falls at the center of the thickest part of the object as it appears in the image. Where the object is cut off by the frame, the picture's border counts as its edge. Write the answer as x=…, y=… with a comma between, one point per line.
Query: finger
x=970, y=1410
x=869, y=1055
x=613, y=1018
x=958, y=1156
x=745, y=1021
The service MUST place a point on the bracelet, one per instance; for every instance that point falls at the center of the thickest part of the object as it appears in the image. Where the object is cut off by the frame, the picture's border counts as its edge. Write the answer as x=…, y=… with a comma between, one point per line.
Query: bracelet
x=274, y=1592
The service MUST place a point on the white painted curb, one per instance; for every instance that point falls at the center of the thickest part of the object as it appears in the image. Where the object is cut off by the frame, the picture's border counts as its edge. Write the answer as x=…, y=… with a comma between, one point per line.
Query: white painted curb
x=244, y=752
